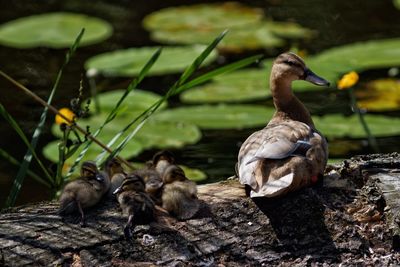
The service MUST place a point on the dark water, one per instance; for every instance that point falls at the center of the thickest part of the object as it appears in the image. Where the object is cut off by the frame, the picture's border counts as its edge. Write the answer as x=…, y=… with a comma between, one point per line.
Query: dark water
x=338, y=22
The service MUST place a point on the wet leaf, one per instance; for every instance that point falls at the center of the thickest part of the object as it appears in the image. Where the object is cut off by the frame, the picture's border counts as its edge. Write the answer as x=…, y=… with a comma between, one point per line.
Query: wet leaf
x=379, y=95
x=242, y=85
x=237, y=40
x=219, y=116
x=55, y=30
x=137, y=100
x=202, y=17
x=340, y=126
x=199, y=24
x=363, y=55
x=129, y=62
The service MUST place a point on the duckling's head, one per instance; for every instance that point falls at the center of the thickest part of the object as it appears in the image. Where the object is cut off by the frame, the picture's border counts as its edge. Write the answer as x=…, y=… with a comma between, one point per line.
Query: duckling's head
x=113, y=166
x=173, y=173
x=89, y=169
x=132, y=182
x=290, y=67
x=163, y=155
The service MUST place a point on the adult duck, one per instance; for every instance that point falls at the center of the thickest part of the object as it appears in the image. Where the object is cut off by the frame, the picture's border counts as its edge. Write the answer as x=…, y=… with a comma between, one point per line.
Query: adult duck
x=289, y=152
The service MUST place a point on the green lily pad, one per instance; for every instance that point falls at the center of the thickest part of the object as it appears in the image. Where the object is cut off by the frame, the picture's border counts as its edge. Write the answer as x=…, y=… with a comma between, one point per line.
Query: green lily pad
x=55, y=30
x=154, y=134
x=396, y=4
x=136, y=101
x=364, y=55
x=242, y=85
x=130, y=61
x=237, y=39
x=202, y=17
x=379, y=95
x=219, y=116
x=340, y=126
x=200, y=24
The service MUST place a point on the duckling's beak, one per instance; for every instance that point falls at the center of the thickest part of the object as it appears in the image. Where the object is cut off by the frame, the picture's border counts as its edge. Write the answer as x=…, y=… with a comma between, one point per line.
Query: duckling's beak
x=118, y=190
x=99, y=177
x=314, y=78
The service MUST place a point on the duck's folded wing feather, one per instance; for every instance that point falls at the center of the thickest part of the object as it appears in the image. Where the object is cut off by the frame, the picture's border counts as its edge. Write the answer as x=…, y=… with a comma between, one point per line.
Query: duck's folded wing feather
x=280, y=149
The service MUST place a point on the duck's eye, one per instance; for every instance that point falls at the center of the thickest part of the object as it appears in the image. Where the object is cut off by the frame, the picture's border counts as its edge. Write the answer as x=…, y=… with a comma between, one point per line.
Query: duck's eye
x=290, y=63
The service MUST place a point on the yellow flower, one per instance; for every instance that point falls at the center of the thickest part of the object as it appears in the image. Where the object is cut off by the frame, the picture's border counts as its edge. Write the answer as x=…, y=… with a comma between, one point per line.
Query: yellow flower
x=68, y=114
x=348, y=80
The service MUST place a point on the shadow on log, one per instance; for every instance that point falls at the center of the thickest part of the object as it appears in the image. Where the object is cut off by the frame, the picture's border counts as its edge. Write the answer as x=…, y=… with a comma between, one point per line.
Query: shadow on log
x=351, y=219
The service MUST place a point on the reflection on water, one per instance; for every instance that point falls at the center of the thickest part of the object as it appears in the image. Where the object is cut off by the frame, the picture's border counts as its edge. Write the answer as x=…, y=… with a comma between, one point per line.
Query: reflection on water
x=338, y=22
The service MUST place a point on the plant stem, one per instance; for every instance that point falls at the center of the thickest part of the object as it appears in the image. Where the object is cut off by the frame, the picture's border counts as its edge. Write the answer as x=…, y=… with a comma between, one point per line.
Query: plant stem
x=55, y=111
x=371, y=139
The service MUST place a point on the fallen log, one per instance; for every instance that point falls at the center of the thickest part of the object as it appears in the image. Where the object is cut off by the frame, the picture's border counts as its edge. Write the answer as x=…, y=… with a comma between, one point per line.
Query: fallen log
x=351, y=219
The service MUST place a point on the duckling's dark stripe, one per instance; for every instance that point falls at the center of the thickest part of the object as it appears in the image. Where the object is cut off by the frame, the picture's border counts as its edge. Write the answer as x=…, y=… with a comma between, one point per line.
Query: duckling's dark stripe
x=132, y=178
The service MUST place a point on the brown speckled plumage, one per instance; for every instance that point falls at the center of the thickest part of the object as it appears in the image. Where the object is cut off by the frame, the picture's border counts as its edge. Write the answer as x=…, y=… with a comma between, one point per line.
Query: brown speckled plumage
x=289, y=152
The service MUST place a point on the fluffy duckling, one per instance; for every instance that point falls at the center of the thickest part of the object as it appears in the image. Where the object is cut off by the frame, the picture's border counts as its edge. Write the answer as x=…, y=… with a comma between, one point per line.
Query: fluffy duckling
x=289, y=152
x=135, y=203
x=179, y=195
x=85, y=191
x=116, y=173
x=153, y=181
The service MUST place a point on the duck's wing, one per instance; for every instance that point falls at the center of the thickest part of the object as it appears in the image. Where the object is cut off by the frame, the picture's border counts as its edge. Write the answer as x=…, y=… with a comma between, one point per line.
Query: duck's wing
x=275, y=141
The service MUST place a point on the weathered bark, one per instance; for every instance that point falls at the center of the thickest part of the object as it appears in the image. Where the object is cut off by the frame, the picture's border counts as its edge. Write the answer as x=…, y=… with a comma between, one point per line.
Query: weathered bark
x=344, y=221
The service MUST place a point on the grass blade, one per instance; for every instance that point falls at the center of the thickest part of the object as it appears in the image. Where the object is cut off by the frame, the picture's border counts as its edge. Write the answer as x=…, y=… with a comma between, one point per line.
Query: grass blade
x=16, y=187
x=143, y=72
x=172, y=91
x=224, y=69
x=4, y=154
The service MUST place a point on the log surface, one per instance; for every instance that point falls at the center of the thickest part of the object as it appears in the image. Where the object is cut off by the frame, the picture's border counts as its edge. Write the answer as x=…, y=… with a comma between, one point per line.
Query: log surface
x=351, y=219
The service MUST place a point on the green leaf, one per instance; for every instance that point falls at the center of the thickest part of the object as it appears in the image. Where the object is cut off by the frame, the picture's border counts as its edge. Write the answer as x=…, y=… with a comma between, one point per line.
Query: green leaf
x=219, y=116
x=340, y=126
x=55, y=30
x=198, y=24
x=202, y=17
x=129, y=62
x=23, y=170
x=242, y=85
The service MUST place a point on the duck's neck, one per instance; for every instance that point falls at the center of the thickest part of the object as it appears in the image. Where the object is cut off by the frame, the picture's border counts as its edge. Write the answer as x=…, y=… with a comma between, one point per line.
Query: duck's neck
x=287, y=105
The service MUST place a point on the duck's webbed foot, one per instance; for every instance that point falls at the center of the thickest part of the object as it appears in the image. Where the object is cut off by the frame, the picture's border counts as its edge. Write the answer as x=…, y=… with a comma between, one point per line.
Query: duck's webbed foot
x=83, y=222
x=128, y=228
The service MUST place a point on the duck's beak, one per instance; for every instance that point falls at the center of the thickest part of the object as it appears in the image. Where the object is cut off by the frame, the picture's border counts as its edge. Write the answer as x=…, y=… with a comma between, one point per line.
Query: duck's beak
x=118, y=190
x=314, y=78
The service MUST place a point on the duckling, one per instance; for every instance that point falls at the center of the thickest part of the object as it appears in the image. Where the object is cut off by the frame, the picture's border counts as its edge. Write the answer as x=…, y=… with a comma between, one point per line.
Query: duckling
x=85, y=191
x=289, y=152
x=179, y=195
x=116, y=173
x=135, y=203
x=162, y=160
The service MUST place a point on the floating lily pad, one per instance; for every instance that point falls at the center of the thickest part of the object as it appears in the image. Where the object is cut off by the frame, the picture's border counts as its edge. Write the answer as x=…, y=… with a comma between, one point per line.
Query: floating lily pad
x=350, y=126
x=364, y=55
x=137, y=100
x=200, y=24
x=130, y=61
x=154, y=134
x=219, y=116
x=237, y=39
x=202, y=17
x=55, y=30
x=396, y=3
x=242, y=85
x=379, y=95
